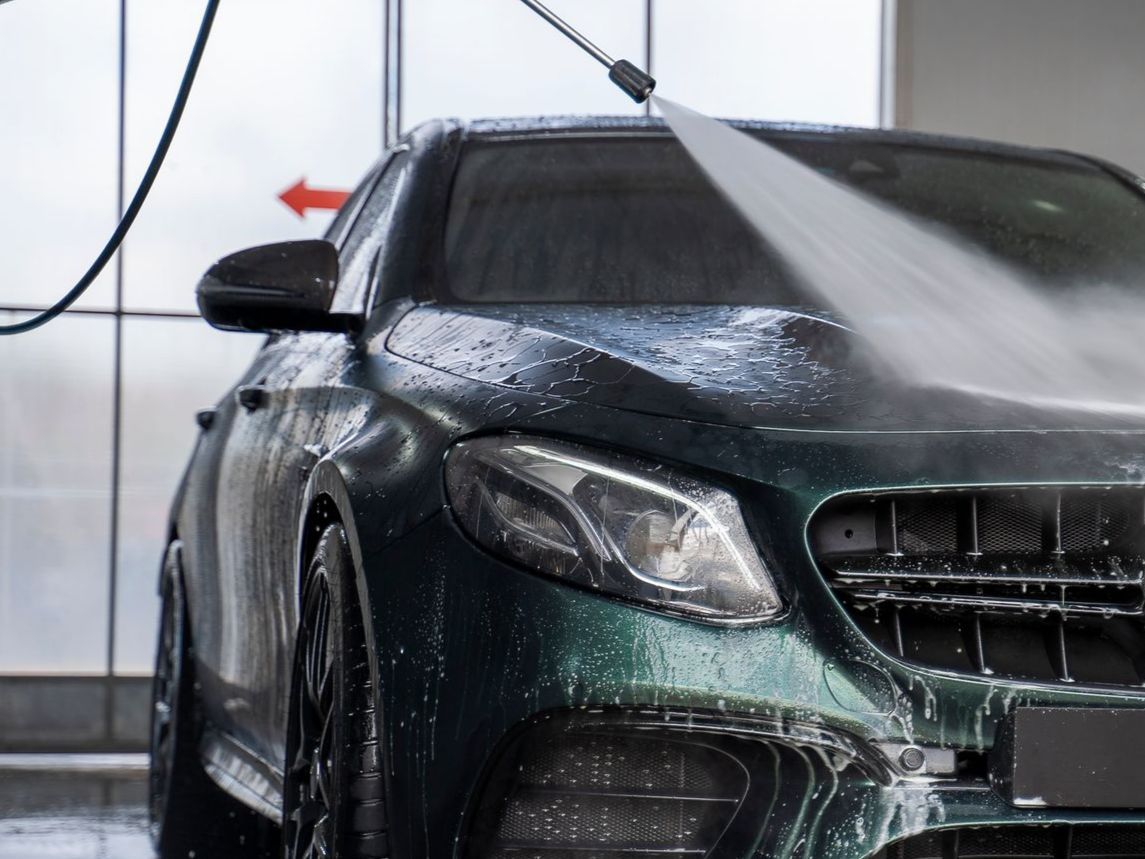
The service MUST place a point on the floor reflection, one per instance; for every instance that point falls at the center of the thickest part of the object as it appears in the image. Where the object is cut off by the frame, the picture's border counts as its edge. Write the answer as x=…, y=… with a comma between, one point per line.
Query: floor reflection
x=73, y=815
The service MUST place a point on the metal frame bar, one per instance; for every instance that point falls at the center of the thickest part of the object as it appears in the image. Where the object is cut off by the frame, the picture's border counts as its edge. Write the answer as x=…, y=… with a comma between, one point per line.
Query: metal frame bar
x=103, y=311
x=648, y=33
x=392, y=45
x=888, y=63
x=117, y=384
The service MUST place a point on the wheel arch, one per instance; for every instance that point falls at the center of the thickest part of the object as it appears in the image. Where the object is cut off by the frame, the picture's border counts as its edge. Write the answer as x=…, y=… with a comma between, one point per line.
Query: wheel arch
x=327, y=501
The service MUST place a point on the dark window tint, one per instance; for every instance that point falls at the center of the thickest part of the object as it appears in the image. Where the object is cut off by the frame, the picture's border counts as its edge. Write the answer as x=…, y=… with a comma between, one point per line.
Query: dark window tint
x=359, y=254
x=344, y=219
x=634, y=220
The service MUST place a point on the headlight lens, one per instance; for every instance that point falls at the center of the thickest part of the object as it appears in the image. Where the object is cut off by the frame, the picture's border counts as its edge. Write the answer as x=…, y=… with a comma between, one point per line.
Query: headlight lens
x=618, y=525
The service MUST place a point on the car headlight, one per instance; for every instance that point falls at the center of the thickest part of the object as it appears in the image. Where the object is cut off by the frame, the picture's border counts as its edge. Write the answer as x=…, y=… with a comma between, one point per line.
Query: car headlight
x=624, y=527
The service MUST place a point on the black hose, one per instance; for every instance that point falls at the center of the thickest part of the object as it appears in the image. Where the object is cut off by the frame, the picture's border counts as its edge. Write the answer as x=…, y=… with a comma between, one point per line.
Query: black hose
x=141, y=192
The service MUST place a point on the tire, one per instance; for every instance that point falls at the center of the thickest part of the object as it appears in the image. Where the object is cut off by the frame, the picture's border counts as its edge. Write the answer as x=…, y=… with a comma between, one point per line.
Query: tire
x=334, y=793
x=190, y=816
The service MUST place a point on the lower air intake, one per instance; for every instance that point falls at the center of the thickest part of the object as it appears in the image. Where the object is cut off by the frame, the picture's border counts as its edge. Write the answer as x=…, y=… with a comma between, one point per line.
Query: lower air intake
x=606, y=795
x=1035, y=583
x=1023, y=842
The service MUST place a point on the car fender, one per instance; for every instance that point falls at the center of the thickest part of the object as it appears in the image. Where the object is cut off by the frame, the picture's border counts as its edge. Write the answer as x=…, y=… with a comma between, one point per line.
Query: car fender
x=326, y=499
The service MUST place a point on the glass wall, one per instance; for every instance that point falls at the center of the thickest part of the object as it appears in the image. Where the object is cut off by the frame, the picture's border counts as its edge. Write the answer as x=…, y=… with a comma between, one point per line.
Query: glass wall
x=98, y=407
x=493, y=58
x=58, y=145
x=288, y=90
x=55, y=495
x=801, y=60
x=798, y=60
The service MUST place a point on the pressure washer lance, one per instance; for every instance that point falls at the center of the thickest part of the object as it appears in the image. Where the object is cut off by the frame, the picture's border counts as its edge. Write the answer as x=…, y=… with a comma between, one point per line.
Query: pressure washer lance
x=633, y=80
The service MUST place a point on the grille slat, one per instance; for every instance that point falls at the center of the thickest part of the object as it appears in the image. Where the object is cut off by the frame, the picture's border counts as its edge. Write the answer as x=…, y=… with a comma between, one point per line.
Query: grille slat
x=1063, y=568
x=977, y=648
x=953, y=602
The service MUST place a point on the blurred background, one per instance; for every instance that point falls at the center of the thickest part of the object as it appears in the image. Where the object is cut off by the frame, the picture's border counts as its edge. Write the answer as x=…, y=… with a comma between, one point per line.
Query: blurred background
x=98, y=407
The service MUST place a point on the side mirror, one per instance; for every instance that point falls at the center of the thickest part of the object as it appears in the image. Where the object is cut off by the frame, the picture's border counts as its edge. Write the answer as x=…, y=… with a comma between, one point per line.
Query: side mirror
x=287, y=286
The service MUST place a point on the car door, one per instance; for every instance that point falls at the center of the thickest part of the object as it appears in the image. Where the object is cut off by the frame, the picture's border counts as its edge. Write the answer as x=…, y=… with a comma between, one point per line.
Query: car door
x=295, y=408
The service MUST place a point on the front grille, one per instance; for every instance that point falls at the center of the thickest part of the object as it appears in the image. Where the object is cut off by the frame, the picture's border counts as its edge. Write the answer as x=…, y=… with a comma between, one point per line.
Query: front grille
x=1027, y=583
x=1023, y=842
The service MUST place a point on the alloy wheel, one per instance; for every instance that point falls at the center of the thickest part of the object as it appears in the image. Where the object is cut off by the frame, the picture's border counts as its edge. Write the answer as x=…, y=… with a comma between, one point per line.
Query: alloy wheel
x=165, y=700
x=311, y=828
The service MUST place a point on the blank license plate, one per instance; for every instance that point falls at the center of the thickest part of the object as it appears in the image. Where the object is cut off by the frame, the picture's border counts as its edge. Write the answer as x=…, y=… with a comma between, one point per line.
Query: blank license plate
x=1071, y=757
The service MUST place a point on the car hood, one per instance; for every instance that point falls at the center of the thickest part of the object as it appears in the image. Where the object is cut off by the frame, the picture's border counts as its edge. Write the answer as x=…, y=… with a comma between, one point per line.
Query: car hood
x=736, y=366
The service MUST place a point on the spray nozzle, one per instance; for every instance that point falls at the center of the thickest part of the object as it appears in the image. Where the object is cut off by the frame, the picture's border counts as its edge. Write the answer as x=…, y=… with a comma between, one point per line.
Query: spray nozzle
x=633, y=80
x=629, y=77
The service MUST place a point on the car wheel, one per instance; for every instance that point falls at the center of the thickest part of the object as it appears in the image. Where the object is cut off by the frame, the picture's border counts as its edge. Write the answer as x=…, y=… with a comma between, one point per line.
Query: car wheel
x=181, y=796
x=334, y=796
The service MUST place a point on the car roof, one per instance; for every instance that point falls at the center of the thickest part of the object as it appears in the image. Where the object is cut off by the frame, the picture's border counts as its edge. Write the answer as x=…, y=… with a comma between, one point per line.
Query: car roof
x=492, y=130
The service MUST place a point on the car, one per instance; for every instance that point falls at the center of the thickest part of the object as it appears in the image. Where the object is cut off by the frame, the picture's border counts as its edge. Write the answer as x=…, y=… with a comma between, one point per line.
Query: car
x=555, y=518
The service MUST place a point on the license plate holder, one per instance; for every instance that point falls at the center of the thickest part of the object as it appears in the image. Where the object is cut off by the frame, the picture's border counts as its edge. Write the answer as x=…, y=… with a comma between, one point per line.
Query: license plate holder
x=1071, y=757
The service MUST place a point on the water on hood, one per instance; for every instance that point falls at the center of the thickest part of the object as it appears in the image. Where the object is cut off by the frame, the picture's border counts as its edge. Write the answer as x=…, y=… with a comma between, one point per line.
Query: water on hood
x=937, y=311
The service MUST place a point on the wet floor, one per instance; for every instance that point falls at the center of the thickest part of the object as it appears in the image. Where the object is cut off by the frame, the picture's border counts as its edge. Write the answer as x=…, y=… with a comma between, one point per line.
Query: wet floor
x=84, y=812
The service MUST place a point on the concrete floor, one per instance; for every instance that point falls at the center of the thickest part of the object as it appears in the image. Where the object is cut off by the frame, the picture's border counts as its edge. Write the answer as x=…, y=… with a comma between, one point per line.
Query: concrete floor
x=88, y=810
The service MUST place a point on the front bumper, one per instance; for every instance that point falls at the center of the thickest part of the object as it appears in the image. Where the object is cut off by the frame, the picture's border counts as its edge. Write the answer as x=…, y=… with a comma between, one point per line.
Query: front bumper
x=472, y=650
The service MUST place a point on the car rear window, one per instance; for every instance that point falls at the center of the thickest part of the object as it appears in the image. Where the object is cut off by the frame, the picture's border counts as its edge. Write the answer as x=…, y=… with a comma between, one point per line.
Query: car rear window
x=633, y=220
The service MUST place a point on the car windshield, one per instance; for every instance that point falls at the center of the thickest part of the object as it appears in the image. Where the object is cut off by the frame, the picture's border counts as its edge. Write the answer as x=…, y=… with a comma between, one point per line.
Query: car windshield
x=633, y=220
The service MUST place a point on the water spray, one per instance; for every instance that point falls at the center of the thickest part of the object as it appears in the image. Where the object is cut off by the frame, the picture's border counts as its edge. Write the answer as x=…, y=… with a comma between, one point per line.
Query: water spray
x=628, y=76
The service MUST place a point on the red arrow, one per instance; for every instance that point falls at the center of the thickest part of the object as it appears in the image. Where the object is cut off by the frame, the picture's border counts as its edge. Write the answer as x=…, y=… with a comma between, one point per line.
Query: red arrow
x=300, y=197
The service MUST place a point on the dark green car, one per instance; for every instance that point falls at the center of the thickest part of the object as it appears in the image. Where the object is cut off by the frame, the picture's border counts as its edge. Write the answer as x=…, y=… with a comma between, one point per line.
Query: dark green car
x=555, y=521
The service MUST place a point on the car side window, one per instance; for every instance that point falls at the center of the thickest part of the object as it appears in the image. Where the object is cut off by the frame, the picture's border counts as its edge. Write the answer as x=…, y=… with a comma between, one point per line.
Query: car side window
x=361, y=250
x=339, y=228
